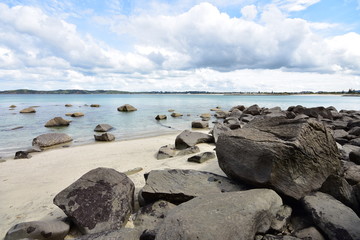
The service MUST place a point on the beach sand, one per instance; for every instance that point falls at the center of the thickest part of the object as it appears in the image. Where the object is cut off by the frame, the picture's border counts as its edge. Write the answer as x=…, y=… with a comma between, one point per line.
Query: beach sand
x=28, y=186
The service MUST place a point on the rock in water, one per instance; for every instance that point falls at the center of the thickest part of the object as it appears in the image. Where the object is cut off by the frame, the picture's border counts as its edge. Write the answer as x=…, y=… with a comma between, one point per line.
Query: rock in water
x=28, y=110
x=103, y=127
x=161, y=117
x=126, y=108
x=336, y=220
x=77, y=114
x=52, y=230
x=200, y=124
x=225, y=216
x=50, y=139
x=188, y=139
x=100, y=200
x=293, y=157
x=22, y=155
x=105, y=137
x=57, y=122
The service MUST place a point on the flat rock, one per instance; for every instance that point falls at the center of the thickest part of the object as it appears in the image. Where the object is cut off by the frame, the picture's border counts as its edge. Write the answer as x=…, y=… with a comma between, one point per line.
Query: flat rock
x=200, y=124
x=68, y=105
x=126, y=108
x=77, y=114
x=355, y=142
x=57, y=122
x=293, y=157
x=189, y=139
x=167, y=151
x=335, y=219
x=41, y=230
x=202, y=157
x=161, y=117
x=51, y=139
x=225, y=216
x=100, y=200
x=95, y=105
x=187, y=151
x=176, y=115
x=340, y=133
x=352, y=174
x=28, y=110
x=103, y=127
x=105, y=137
x=220, y=114
x=177, y=186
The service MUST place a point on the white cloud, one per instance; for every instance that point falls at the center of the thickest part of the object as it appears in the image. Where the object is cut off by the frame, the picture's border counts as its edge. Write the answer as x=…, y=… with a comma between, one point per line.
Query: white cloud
x=295, y=5
x=249, y=12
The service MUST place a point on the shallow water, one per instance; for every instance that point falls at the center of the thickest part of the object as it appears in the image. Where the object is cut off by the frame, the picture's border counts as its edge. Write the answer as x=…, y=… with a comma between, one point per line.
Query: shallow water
x=137, y=124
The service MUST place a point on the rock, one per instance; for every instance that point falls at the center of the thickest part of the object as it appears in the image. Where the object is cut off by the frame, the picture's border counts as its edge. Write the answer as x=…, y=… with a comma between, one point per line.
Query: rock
x=167, y=151
x=95, y=105
x=293, y=157
x=236, y=113
x=28, y=110
x=225, y=216
x=200, y=124
x=336, y=220
x=202, y=157
x=126, y=108
x=340, y=133
x=122, y=234
x=309, y=233
x=356, y=190
x=171, y=110
x=176, y=115
x=282, y=218
x=100, y=200
x=354, y=156
x=232, y=123
x=215, y=109
x=22, y=155
x=219, y=128
x=103, y=127
x=178, y=186
x=239, y=107
x=161, y=117
x=253, y=110
x=16, y=128
x=133, y=171
x=205, y=116
x=189, y=139
x=105, y=137
x=353, y=123
x=40, y=230
x=341, y=190
x=247, y=118
x=12, y=106
x=187, y=151
x=314, y=112
x=57, y=122
x=220, y=114
x=68, y=105
x=352, y=174
x=77, y=114
x=348, y=148
x=68, y=114
x=50, y=139
x=355, y=142
x=279, y=237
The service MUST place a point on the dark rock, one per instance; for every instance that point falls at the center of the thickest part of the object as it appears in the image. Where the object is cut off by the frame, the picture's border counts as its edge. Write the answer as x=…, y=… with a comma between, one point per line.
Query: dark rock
x=202, y=157
x=340, y=133
x=100, y=200
x=77, y=114
x=348, y=148
x=352, y=174
x=225, y=216
x=247, y=118
x=239, y=107
x=28, y=110
x=22, y=155
x=167, y=151
x=103, y=127
x=12, y=106
x=218, y=129
x=220, y=114
x=16, y=128
x=310, y=233
x=314, y=112
x=105, y=137
x=176, y=115
x=68, y=105
x=290, y=115
x=355, y=131
x=352, y=124
x=187, y=151
x=126, y=108
x=339, y=124
x=50, y=139
x=161, y=117
x=236, y=113
x=336, y=220
x=122, y=234
x=40, y=230
x=253, y=110
x=57, y=122
x=354, y=156
x=342, y=141
x=292, y=156
x=232, y=123
x=178, y=186
x=95, y=105
x=355, y=142
x=279, y=237
x=189, y=139
x=356, y=190
x=200, y=124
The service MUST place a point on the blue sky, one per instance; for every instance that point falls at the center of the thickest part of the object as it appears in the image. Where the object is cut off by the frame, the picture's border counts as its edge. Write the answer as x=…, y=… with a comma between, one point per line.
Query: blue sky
x=153, y=45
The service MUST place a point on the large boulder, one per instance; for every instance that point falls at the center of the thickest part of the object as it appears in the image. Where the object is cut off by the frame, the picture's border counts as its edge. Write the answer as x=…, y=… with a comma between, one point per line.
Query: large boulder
x=103, y=127
x=50, y=139
x=100, y=200
x=177, y=186
x=167, y=151
x=225, y=216
x=57, y=122
x=314, y=112
x=336, y=220
x=40, y=230
x=28, y=110
x=293, y=157
x=126, y=108
x=189, y=139
x=253, y=110
x=218, y=129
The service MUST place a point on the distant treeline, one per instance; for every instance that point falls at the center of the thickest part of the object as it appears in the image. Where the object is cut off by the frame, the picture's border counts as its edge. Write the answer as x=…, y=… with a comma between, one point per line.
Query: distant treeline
x=77, y=91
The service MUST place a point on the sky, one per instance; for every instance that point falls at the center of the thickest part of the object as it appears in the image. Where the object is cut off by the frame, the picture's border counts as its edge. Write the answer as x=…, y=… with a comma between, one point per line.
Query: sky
x=180, y=45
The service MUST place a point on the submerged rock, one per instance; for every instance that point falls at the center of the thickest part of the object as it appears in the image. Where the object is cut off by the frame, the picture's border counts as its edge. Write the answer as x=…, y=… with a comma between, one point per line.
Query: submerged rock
x=28, y=110
x=57, y=122
x=126, y=108
x=103, y=127
x=51, y=139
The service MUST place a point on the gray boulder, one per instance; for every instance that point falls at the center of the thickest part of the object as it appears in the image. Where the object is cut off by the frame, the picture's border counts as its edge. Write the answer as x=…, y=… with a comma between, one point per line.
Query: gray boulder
x=41, y=230
x=103, y=127
x=352, y=174
x=239, y=107
x=218, y=129
x=177, y=186
x=28, y=110
x=314, y=112
x=100, y=200
x=278, y=237
x=220, y=114
x=340, y=133
x=187, y=151
x=126, y=108
x=122, y=234
x=236, y=113
x=166, y=151
x=105, y=137
x=353, y=123
x=355, y=142
x=200, y=124
x=293, y=157
x=232, y=123
x=50, y=139
x=336, y=220
x=202, y=157
x=225, y=216
x=189, y=139
x=253, y=110
x=57, y=122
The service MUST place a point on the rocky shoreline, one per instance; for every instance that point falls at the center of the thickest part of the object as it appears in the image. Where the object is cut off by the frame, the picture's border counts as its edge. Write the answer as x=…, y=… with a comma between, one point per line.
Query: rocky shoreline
x=290, y=174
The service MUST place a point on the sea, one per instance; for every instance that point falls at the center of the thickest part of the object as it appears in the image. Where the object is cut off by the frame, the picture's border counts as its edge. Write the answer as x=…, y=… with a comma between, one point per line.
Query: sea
x=18, y=130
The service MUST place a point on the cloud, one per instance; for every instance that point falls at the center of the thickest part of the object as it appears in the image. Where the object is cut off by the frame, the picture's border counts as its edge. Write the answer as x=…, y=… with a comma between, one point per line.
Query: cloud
x=295, y=5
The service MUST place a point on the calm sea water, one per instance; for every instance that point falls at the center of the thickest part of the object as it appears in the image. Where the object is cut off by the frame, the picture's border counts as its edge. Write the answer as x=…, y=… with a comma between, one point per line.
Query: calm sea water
x=137, y=124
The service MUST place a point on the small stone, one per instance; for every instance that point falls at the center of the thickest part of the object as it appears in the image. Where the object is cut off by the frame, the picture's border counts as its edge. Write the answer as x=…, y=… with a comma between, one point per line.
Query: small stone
x=202, y=157
x=161, y=117
x=176, y=115
x=68, y=105
x=22, y=155
x=105, y=137
x=28, y=110
x=103, y=127
x=126, y=108
x=189, y=150
x=12, y=106
x=95, y=105
x=77, y=114
x=57, y=122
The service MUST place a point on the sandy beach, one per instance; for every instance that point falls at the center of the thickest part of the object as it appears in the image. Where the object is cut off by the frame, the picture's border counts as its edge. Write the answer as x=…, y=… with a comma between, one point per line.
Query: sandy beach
x=28, y=186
